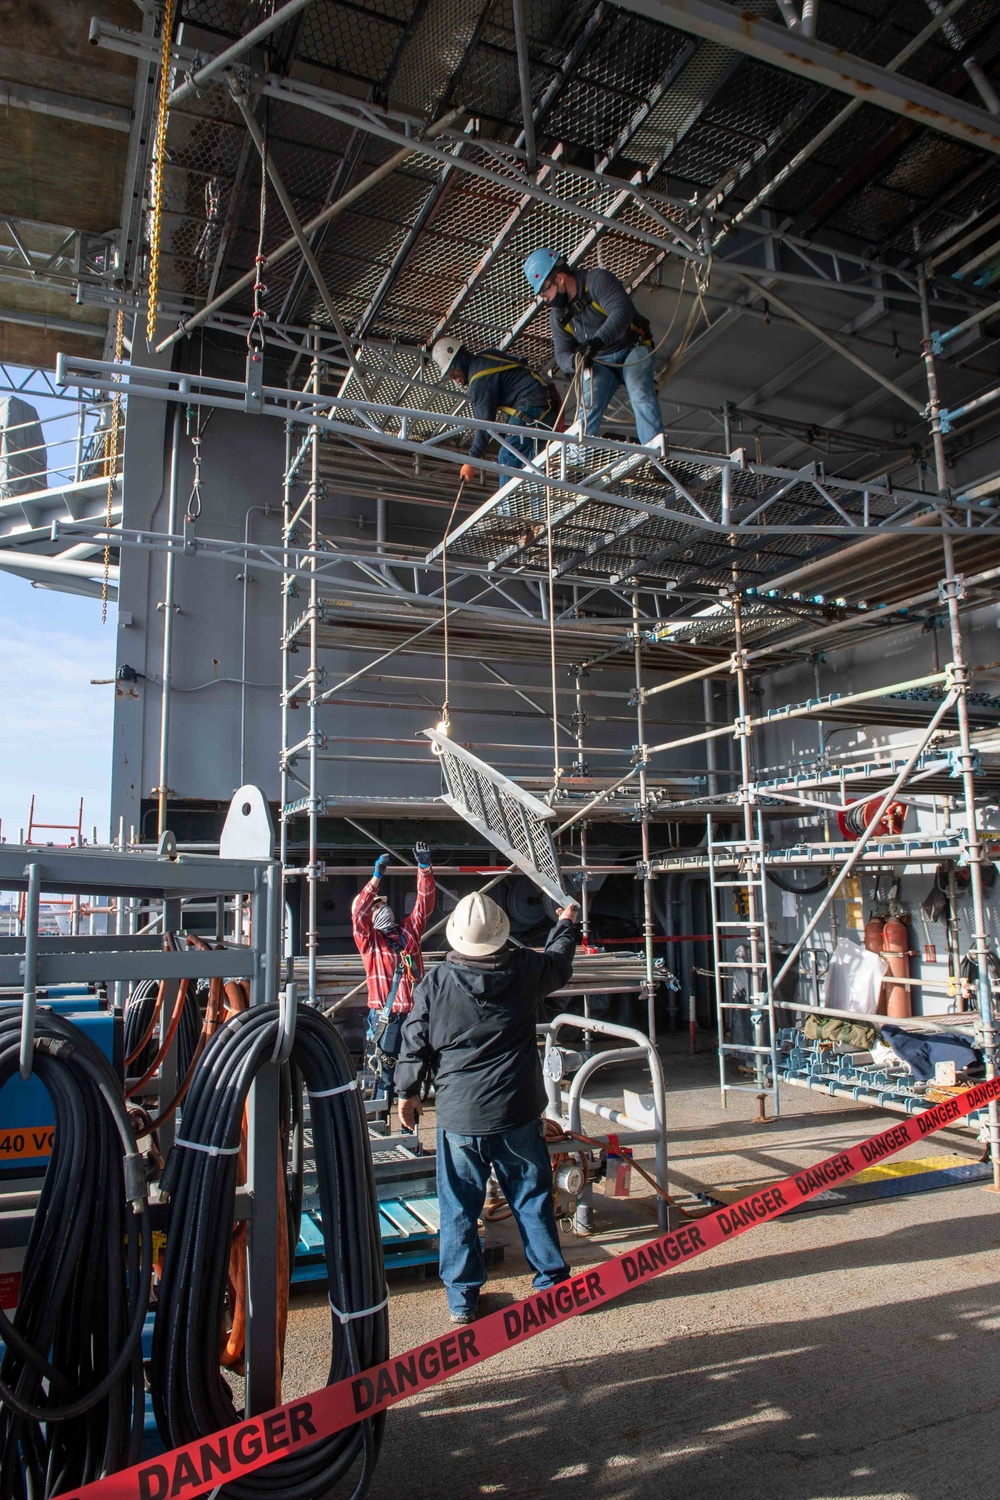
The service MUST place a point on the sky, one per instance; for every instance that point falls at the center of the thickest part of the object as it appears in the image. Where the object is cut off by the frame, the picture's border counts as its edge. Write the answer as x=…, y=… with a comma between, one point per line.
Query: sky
x=55, y=728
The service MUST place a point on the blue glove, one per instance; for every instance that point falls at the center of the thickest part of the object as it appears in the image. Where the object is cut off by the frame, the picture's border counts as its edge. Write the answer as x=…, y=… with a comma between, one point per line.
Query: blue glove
x=422, y=855
x=381, y=865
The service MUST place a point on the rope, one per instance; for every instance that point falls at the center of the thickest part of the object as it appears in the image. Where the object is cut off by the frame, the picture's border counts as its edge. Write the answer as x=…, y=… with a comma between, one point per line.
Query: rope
x=445, y=707
x=701, y=283
x=194, y=499
x=255, y=333
x=556, y=770
x=111, y=463
x=159, y=161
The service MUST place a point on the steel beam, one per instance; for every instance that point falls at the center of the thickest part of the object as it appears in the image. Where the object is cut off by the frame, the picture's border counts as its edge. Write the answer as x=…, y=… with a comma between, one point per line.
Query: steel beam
x=65, y=106
x=747, y=33
x=524, y=80
x=287, y=246
x=292, y=405
x=942, y=15
x=194, y=81
x=242, y=103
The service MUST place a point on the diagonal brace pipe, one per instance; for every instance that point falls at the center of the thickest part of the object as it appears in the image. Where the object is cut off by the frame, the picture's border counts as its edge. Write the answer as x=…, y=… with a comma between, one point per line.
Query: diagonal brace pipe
x=947, y=702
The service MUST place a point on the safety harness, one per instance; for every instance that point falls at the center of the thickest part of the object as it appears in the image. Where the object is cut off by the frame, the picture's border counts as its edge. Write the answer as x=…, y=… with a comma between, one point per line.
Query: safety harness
x=382, y=1064
x=547, y=403
x=639, y=328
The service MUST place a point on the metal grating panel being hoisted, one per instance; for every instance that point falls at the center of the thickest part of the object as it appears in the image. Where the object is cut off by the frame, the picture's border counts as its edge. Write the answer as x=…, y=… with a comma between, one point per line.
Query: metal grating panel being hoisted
x=511, y=819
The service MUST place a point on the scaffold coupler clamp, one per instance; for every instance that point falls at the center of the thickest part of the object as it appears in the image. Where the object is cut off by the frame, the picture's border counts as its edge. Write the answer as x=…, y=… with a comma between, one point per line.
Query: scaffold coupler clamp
x=952, y=588
x=959, y=763
x=640, y=757
x=739, y=661
x=644, y=869
x=747, y=795
x=743, y=727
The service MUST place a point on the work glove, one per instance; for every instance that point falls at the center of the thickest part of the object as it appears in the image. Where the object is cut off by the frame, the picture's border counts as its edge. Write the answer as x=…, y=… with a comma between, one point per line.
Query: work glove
x=381, y=865
x=468, y=473
x=422, y=855
x=589, y=350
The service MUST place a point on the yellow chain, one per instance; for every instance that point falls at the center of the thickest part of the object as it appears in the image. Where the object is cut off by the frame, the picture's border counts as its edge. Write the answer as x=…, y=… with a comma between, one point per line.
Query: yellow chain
x=111, y=460
x=159, y=161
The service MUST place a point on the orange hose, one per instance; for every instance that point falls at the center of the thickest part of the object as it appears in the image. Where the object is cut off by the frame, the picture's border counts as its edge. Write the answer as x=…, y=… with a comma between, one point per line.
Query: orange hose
x=137, y=1051
x=213, y=1015
x=175, y=1021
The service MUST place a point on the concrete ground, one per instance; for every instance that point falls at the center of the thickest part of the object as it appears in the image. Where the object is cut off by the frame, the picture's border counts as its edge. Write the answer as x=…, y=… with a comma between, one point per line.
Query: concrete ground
x=848, y=1352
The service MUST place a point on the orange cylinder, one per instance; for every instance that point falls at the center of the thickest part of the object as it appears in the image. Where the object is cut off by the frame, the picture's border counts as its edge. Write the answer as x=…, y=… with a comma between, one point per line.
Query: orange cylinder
x=874, y=929
x=896, y=952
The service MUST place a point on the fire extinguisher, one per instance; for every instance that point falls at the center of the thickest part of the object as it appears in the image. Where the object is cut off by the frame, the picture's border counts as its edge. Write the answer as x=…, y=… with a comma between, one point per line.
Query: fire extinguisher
x=896, y=952
x=874, y=929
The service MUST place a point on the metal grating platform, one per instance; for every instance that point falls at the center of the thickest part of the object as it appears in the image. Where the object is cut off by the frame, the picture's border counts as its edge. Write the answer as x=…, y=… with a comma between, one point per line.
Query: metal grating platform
x=511, y=819
x=663, y=517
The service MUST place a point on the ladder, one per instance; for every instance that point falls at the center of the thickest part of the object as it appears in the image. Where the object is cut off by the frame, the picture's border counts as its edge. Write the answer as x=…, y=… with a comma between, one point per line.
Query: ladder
x=741, y=949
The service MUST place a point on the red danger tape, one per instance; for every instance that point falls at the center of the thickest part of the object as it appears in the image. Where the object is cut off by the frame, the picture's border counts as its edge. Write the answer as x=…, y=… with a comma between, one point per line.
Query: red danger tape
x=228, y=1455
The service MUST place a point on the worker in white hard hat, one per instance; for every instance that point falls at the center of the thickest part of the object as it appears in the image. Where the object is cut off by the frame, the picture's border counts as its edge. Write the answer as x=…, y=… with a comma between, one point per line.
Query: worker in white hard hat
x=597, y=328
x=472, y=1029
x=501, y=388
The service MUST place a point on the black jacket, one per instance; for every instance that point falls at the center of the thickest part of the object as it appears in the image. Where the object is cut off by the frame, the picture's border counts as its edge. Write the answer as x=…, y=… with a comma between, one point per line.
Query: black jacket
x=500, y=384
x=475, y=1028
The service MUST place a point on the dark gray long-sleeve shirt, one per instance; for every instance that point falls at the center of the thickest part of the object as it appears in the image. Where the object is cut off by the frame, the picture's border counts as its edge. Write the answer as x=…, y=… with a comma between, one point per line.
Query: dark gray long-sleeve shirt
x=602, y=309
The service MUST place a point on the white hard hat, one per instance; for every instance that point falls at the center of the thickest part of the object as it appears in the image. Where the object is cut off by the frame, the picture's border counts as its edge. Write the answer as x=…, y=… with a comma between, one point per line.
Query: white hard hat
x=444, y=352
x=477, y=926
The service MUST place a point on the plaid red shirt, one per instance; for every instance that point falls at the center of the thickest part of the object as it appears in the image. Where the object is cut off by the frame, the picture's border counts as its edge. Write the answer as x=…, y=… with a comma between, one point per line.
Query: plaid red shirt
x=379, y=956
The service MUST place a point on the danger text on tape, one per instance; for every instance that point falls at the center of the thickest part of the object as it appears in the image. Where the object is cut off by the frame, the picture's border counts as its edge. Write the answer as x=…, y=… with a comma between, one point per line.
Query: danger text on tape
x=196, y=1467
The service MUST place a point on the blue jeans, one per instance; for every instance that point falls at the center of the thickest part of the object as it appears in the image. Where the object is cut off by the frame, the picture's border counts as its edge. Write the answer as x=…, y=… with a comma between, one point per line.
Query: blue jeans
x=523, y=1167
x=633, y=368
x=515, y=449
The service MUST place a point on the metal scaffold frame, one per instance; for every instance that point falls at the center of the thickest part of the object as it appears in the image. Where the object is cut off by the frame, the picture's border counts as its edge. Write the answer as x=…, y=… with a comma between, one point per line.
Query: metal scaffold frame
x=849, y=512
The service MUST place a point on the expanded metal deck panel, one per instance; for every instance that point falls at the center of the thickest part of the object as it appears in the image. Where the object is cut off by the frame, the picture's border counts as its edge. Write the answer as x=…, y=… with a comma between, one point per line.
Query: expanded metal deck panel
x=432, y=243
x=660, y=518
x=510, y=818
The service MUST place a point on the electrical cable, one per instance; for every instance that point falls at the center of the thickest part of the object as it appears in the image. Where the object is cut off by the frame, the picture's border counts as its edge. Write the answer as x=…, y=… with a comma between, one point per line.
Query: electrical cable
x=191, y=1398
x=71, y=1377
x=970, y=972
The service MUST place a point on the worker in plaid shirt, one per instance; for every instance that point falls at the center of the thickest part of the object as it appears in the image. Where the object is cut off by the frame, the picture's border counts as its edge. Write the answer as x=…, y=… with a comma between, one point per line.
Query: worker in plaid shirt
x=390, y=951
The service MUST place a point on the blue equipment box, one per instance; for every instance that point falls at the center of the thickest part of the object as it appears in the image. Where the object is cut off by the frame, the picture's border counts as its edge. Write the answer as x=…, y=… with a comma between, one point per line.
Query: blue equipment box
x=26, y=1116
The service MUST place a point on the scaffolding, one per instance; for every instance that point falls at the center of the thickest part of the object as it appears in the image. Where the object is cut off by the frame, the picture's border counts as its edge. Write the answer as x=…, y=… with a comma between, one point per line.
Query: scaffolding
x=709, y=565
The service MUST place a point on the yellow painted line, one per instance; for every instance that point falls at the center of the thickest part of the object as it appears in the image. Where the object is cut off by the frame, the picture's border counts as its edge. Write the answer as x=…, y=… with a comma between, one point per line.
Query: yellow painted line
x=912, y=1168
x=732, y=1192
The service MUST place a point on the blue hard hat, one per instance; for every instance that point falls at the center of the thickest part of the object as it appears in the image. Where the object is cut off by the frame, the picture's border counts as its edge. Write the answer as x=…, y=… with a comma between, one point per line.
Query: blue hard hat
x=539, y=267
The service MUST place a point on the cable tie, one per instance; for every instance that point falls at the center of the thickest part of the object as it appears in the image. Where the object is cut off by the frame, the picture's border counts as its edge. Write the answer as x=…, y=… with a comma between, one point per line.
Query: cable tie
x=208, y=1150
x=366, y=1312
x=341, y=1088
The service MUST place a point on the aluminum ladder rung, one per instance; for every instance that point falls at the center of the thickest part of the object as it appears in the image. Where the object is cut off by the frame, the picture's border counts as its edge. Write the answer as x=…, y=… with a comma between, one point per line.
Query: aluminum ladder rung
x=736, y=885
x=755, y=923
x=745, y=1047
x=746, y=963
x=749, y=1088
x=742, y=1005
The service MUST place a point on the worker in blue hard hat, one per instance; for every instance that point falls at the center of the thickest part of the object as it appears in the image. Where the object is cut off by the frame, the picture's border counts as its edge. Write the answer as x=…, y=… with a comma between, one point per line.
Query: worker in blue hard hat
x=502, y=388
x=597, y=329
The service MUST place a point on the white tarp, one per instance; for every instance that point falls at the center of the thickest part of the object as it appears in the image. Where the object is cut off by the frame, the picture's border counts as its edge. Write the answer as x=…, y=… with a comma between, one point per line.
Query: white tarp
x=854, y=979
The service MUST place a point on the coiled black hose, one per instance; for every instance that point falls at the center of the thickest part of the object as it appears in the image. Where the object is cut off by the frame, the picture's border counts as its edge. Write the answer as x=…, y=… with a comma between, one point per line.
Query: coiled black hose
x=71, y=1379
x=191, y=1398
x=140, y=1008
